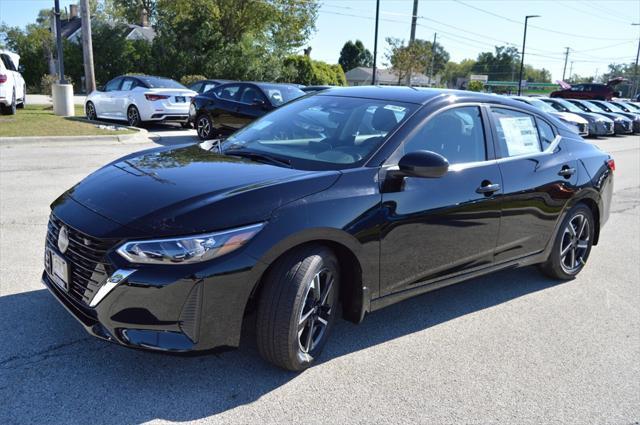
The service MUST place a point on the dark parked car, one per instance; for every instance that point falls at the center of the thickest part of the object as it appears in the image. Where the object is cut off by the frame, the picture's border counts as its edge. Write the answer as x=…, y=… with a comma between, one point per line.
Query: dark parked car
x=590, y=91
x=573, y=121
x=354, y=197
x=621, y=124
x=229, y=107
x=599, y=125
x=613, y=109
x=206, y=85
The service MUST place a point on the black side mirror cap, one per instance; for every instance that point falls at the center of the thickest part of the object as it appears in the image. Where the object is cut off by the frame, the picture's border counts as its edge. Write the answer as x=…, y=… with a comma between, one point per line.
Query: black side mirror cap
x=100, y=88
x=425, y=164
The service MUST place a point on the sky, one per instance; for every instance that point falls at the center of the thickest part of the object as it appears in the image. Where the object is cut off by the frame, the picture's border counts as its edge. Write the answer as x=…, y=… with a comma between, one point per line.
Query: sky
x=598, y=32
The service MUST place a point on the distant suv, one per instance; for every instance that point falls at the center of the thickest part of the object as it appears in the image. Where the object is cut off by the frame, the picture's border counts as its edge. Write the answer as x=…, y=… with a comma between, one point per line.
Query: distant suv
x=12, y=87
x=589, y=91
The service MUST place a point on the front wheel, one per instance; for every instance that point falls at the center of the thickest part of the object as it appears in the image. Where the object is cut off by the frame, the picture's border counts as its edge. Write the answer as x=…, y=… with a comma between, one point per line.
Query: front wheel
x=572, y=245
x=297, y=307
x=204, y=127
x=90, y=111
x=133, y=117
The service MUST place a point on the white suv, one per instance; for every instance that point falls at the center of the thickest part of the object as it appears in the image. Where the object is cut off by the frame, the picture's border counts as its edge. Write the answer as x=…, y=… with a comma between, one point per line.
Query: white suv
x=12, y=88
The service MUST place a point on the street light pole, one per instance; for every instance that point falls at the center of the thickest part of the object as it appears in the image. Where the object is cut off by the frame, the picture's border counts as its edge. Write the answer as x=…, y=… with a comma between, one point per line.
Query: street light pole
x=635, y=69
x=524, y=42
x=375, y=44
x=56, y=13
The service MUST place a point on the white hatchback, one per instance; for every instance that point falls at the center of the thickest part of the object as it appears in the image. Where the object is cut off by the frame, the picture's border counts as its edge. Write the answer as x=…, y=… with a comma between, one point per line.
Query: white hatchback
x=139, y=98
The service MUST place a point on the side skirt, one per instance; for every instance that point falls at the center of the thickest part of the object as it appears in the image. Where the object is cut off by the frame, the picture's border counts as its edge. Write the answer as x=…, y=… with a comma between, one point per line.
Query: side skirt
x=387, y=300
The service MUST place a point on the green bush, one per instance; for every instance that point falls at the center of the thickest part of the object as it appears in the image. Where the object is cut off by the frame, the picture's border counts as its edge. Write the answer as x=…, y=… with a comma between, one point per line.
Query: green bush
x=47, y=80
x=187, y=80
x=475, y=86
x=303, y=70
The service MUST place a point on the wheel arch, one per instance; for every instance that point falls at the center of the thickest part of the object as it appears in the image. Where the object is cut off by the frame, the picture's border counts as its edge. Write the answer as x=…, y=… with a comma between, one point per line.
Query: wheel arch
x=591, y=199
x=354, y=295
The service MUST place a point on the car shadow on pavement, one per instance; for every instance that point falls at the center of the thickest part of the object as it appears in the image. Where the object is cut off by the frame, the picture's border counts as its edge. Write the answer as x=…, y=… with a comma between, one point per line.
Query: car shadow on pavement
x=51, y=370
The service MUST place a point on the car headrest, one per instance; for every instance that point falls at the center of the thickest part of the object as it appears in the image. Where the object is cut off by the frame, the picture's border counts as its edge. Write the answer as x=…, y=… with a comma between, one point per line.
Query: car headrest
x=383, y=119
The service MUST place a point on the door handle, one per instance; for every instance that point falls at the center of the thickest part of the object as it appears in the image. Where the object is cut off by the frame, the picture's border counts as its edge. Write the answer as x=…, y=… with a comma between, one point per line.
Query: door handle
x=488, y=188
x=567, y=172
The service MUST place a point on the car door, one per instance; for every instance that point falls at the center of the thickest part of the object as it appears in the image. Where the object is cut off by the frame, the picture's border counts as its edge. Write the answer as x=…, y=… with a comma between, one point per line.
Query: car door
x=539, y=177
x=105, y=101
x=437, y=227
x=122, y=98
x=253, y=104
x=225, y=109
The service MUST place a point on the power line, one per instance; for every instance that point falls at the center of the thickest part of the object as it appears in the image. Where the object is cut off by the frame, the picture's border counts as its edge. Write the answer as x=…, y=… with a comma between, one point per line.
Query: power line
x=536, y=26
x=575, y=9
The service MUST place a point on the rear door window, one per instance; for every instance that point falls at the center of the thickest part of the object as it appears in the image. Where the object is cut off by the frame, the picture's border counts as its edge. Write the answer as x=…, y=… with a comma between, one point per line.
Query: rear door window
x=517, y=132
x=227, y=92
x=113, y=85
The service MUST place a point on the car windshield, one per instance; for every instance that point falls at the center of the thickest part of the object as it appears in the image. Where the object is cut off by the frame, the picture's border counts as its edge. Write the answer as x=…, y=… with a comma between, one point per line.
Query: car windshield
x=543, y=106
x=161, y=83
x=597, y=106
x=279, y=94
x=568, y=105
x=632, y=106
x=322, y=132
x=613, y=107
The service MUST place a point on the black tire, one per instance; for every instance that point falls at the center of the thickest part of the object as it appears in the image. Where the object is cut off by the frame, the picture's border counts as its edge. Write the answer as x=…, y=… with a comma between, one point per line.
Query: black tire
x=11, y=109
x=22, y=104
x=204, y=127
x=572, y=245
x=133, y=116
x=294, y=319
x=90, y=111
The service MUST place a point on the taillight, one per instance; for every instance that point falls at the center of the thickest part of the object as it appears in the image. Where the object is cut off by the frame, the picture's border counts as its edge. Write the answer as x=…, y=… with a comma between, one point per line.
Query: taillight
x=611, y=164
x=3, y=78
x=153, y=97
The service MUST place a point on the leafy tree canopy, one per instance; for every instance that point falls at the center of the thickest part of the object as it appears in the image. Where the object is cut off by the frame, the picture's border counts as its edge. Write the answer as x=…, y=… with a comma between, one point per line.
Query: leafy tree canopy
x=354, y=55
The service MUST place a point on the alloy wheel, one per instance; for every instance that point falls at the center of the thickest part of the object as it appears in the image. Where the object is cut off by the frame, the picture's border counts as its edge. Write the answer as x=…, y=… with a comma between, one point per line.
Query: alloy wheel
x=133, y=117
x=574, y=246
x=91, y=112
x=316, y=311
x=204, y=127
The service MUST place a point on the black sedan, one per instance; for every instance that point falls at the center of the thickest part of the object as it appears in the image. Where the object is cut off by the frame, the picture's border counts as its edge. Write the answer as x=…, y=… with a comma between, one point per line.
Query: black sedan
x=206, y=85
x=229, y=107
x=357, y=197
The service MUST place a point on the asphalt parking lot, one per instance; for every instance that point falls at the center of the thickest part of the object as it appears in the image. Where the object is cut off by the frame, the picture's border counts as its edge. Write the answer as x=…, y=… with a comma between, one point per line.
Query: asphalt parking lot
x=513, y=347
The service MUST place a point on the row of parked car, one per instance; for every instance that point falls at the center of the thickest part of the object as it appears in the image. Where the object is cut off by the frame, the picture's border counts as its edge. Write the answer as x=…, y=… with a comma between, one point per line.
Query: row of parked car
x=591, y=117
x=217, y=108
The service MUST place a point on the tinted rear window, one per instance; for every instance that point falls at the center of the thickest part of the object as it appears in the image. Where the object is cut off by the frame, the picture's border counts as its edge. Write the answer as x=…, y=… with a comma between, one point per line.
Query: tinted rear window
x=280, y=93
x=158, y=82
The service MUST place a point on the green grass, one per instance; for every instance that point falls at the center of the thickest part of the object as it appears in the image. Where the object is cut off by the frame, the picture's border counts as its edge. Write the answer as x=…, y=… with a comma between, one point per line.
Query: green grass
x=39, y=120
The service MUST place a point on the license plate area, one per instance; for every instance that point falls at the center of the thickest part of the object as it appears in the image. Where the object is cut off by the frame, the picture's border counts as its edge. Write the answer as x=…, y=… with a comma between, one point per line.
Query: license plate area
x=181, y=99
x=57, y=268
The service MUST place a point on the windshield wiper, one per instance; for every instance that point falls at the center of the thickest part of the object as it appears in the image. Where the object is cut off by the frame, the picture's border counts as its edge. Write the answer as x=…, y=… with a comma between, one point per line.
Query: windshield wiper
x=258, y=156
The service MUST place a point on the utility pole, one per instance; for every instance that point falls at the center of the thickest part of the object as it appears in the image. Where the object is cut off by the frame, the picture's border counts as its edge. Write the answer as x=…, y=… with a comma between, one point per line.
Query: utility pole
x=412, y=37
x=635, y=69
x=566, y=56
x=56, y=13
x=524, y=43
x=375, y=44
x=87, y=47
x=433, y=53
x=571, y=71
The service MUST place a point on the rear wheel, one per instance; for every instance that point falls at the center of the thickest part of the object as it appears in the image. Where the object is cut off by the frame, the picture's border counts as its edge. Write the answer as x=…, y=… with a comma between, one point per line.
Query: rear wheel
x=90, y=111
x=10, y=109
x=297, y=307
x=204, y=127
x=572, y=245
x=133, y=116
x=24, y=99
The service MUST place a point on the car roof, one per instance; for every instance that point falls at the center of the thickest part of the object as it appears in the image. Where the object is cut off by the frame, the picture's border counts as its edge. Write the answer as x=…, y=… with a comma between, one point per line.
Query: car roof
x=420, y=95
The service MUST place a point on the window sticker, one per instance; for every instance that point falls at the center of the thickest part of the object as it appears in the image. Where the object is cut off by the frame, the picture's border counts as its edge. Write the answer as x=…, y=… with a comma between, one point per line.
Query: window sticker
x=520, y=135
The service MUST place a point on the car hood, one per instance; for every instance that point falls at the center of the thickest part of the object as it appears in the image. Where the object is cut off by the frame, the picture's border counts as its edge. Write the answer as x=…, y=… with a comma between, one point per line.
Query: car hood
x=171, y=191
x=570, y=116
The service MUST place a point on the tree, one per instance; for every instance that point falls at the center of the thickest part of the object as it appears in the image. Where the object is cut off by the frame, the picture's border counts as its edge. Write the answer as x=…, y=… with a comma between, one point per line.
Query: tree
x=303, y=70
x=130, y=11
x=354, y=55
x=475, y=86
x=454, y=70
x=415, y=57
x=31, y=44
x=501, y=66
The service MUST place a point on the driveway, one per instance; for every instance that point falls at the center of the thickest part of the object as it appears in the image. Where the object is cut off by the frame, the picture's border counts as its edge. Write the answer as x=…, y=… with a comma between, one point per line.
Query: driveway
x=513, y=347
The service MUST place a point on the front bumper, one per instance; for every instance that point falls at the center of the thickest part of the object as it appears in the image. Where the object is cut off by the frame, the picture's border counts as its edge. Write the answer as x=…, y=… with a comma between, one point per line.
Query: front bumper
x=165, y=308
x=623, y=127
x=601, y=128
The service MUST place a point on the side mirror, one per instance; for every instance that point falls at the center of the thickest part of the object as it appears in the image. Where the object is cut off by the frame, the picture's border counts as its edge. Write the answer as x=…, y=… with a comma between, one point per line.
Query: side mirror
x=260, y=102
x=425, y=164
x=100, y=88
x=21, y=69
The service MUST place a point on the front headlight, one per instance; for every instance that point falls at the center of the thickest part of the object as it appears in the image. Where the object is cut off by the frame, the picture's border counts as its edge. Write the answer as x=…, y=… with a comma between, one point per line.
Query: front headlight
x=188, y=249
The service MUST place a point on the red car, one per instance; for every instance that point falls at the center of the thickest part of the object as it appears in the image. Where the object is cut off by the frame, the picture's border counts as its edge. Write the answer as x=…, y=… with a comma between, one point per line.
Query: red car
x=590, y=91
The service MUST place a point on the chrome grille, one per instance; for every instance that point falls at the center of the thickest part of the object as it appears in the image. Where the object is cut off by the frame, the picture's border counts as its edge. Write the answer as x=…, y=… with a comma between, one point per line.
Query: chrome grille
x=86, y=257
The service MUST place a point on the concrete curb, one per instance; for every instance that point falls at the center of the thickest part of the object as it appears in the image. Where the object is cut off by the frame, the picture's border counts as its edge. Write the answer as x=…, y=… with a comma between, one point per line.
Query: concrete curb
x=141, y=136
